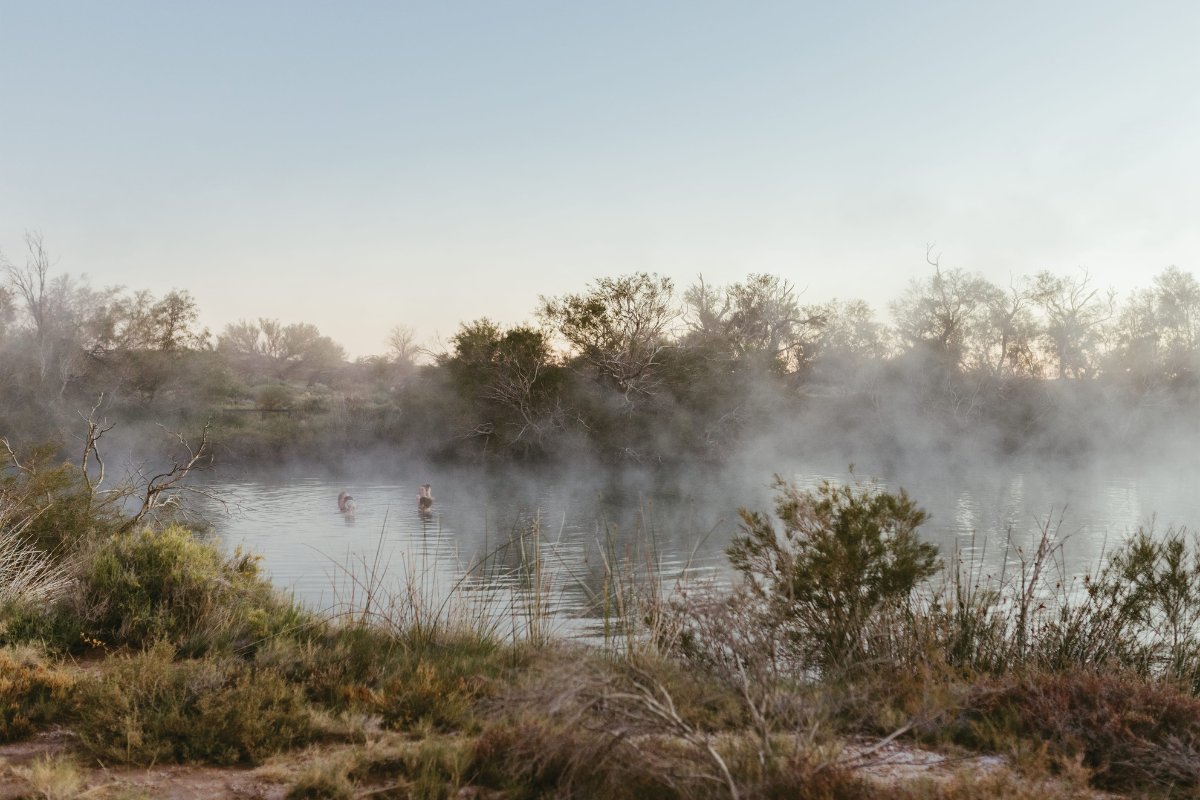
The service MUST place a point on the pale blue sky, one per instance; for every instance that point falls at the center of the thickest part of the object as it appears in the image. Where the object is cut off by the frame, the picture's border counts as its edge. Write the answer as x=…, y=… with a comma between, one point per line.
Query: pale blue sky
x=357, y=165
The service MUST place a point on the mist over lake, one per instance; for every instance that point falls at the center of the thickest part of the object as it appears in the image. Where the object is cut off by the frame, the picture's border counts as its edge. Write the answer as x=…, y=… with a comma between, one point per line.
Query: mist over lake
x=294, y=523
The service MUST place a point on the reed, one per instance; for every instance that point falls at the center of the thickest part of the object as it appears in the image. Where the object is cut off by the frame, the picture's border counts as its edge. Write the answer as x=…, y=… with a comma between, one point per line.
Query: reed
x=27, y=573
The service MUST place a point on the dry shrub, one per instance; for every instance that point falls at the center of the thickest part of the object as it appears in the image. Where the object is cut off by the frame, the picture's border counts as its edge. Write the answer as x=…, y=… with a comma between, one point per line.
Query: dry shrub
x=585, y=727
x=30, y=694
x=537, y=758
x=428, y=697
x=146, y=708
x=322, y=780
x=55, y=779
x=801, y=779
x=1127, y=731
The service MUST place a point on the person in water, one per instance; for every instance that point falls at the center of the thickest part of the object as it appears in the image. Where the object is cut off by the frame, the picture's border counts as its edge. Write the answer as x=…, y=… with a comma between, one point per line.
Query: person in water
x=346, y=503
x=425, y=499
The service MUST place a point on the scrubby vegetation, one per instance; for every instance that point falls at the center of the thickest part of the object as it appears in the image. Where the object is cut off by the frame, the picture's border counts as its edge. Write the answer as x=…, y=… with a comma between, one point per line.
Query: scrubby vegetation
x=632, y=368
x=843, y=633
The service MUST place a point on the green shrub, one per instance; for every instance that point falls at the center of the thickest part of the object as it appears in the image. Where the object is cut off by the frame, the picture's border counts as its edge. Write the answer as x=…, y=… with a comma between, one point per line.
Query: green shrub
x=424, y=697
x=339, y=667
x=30, y=694
x=846, y=552
x=142, y=586
x=274, y=396
x=56, y=627
x=324, y=780
x=52, y=500
x=147, y=708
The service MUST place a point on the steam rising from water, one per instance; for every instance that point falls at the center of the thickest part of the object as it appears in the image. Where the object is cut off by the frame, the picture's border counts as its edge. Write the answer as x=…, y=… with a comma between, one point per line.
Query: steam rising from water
x=294, y=522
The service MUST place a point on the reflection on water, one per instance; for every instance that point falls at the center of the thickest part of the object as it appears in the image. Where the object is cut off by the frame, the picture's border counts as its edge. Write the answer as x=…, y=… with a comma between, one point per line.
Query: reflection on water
x=297, y=528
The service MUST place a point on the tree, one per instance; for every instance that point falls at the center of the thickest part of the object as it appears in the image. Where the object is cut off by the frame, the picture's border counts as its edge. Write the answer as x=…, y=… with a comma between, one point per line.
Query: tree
x=1075, y=314
x=174, y=320
x=1177, y=306
x=512, y=378
x=29, y=283
x=283, y=351
x=1007, y=330
x=240, y=338
x=759, y=321
x=619, y=328
x=849, y=338
x=402, y=347
x=942, y=313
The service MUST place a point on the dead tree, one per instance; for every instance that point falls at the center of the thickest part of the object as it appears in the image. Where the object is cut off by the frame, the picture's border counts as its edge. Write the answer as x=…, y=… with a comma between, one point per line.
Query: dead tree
x=164, y=489
x=91, y=450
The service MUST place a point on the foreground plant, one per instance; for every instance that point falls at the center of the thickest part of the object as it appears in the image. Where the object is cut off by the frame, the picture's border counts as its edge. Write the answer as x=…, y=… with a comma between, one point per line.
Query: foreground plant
x=846, y=552
x=148, y=709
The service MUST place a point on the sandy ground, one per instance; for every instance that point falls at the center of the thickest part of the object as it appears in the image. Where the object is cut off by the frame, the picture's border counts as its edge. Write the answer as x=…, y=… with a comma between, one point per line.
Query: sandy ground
x=894, y=762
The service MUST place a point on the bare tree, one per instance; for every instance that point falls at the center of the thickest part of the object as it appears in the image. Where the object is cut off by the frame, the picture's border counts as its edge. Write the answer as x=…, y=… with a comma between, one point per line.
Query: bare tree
x=402, y=347
x=163, y=489
x=1075, y=313
x=758, y=319
x=30, y=282
x=942, y=312
x=91, y=451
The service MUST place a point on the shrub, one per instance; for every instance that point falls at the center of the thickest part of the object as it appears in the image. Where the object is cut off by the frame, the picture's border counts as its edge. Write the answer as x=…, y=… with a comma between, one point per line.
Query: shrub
x=427, y=696
x=51, y=503
x=146, y=708
x=274, y=396
x=533, y=758
x=800, y=779
x=30, y=694
x=55, y=779
x=324, y=780
x=338, y=667
x=56, y=626
x=145, y=585
x=846, y=552
x=1130, y=732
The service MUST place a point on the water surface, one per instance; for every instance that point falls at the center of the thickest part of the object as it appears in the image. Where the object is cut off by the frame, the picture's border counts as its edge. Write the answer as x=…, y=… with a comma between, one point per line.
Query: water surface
x=688, y=520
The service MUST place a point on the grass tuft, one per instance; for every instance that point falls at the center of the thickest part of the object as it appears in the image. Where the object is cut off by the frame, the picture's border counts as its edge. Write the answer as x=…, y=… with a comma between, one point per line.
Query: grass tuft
x=147, y=708
x=31, y=694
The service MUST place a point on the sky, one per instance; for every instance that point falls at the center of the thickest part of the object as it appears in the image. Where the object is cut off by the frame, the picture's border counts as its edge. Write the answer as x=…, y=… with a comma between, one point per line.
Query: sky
x=361, y=165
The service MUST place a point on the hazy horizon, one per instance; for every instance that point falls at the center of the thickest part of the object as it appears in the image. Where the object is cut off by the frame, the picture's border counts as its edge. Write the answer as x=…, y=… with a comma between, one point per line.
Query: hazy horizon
x=424, y=165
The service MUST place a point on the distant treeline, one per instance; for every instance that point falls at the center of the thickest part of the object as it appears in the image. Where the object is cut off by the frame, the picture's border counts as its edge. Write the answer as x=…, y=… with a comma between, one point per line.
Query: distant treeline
x=630, y=368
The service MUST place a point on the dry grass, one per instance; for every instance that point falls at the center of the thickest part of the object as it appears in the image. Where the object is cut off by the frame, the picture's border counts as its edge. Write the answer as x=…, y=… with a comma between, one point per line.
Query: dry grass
x=31, y=693
x=146, y=708
x=56, y=779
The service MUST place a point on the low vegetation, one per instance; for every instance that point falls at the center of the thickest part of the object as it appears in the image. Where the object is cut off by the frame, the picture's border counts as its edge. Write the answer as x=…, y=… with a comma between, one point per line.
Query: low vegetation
x=842, y=634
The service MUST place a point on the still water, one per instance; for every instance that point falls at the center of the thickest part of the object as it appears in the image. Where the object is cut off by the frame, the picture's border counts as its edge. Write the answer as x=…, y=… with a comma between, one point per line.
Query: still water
x=306, y=544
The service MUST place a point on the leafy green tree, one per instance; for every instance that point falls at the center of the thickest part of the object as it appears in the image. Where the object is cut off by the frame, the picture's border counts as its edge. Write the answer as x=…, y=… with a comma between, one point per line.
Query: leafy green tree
x=514, y=381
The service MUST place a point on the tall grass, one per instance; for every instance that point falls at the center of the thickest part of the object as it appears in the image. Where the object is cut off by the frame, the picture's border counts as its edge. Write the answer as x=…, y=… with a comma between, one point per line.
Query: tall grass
x=1136, y=609
x=522, y=588
x=27, y=573
x=507, y=593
